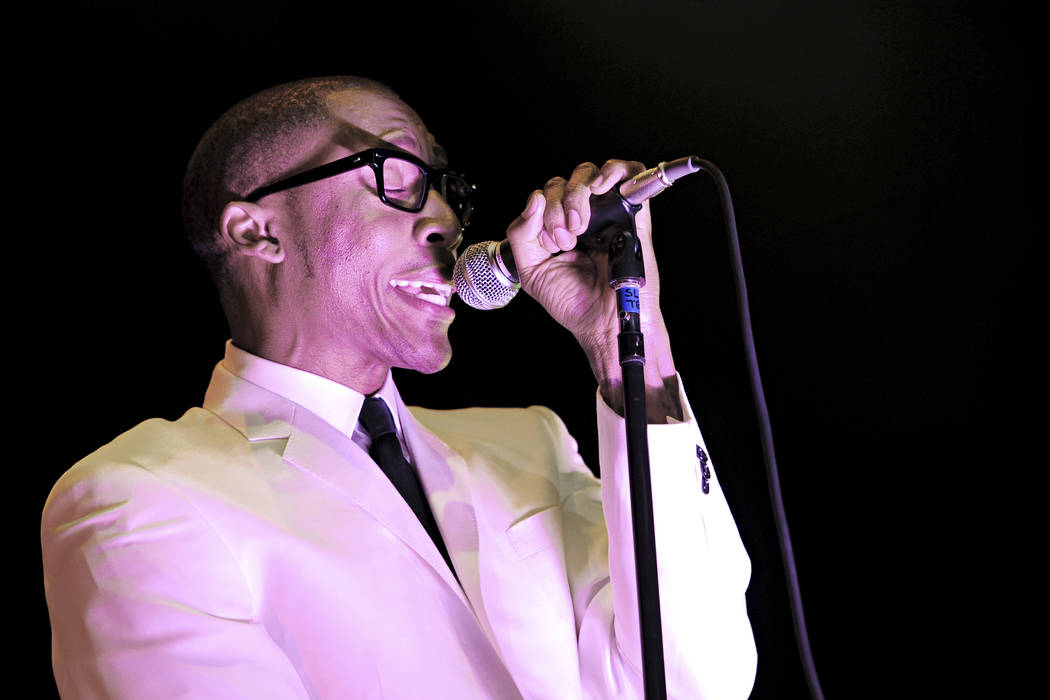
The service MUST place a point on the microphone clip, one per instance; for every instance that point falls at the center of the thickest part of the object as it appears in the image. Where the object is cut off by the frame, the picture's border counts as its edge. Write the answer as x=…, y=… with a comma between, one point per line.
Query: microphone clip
x=612, y=229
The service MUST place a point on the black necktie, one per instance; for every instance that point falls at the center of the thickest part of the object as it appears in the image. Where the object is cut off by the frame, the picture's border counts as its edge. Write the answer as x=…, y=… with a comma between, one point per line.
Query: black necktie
x=386, y=451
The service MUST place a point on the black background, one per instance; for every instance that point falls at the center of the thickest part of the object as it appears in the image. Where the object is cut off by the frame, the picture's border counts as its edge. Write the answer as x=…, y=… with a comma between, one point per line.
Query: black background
x=877, y=154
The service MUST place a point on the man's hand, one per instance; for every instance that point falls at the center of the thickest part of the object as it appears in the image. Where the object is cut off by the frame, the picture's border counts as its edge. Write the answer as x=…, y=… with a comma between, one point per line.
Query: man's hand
x=572, y=283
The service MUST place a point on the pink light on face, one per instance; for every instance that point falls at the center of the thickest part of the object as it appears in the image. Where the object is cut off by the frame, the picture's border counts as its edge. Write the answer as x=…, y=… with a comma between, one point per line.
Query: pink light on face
x=366, y=286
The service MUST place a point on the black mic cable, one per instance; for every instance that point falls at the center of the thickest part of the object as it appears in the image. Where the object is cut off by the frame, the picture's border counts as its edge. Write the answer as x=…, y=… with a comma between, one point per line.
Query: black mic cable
x=758, y=396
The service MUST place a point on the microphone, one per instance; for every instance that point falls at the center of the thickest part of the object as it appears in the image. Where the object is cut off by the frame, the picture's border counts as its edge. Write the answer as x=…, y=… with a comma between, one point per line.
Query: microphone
x=485, y=276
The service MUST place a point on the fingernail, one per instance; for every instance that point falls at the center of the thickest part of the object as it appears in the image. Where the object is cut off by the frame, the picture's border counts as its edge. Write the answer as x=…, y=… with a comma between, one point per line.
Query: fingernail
x=574, y=220
x=534, y=203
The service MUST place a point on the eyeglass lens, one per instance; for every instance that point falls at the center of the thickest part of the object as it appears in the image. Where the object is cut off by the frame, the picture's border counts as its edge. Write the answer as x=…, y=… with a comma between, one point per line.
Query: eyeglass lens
x=403, y=182
x=457, y=193
x=403, y=186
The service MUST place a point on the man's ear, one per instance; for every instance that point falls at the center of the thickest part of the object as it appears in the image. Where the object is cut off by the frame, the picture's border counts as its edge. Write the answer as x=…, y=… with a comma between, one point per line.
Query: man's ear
x=244, y=225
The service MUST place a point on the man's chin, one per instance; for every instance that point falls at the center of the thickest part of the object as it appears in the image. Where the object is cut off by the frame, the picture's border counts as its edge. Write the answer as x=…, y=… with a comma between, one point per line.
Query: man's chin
x=432, y=362
x=438, y=366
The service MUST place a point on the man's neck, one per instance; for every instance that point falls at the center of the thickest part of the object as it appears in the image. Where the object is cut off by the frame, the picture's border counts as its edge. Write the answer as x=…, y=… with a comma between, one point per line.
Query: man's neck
x=363, y=377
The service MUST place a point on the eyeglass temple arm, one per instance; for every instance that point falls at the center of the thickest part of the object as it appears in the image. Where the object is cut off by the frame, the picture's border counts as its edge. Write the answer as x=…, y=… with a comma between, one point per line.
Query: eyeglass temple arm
x=336, y=167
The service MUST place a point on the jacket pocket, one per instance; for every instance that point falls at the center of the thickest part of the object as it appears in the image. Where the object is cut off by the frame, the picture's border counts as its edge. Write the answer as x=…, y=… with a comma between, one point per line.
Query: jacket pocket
x=536, y=532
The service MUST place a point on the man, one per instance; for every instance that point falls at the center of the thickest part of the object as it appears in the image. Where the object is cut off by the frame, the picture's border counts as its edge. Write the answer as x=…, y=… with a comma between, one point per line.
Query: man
x=254, y=549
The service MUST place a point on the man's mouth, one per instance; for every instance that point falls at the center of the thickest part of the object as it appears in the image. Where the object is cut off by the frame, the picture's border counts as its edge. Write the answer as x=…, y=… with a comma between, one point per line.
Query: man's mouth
x=437, y=293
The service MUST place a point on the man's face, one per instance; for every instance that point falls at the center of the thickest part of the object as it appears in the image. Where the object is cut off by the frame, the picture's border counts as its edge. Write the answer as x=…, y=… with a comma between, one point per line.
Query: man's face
x=369, y=282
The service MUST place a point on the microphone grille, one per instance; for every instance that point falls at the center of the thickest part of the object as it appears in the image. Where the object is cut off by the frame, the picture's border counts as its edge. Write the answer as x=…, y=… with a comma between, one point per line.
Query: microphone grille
x=478, y=281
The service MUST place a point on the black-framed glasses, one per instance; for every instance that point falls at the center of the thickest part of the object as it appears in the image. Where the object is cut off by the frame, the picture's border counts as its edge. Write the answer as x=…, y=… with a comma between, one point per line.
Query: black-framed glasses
x=403, y=181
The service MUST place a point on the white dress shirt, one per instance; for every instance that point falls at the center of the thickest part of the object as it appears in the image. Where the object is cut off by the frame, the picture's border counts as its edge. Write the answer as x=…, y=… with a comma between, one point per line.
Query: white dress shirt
x=335, y=403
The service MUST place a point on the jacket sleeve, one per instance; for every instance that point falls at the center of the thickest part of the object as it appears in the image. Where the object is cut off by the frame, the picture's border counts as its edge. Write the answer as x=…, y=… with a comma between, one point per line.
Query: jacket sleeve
x=703, y=570
x=145, y=599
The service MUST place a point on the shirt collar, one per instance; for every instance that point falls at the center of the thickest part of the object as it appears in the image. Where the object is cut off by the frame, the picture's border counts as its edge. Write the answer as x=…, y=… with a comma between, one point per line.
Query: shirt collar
x=336, y=404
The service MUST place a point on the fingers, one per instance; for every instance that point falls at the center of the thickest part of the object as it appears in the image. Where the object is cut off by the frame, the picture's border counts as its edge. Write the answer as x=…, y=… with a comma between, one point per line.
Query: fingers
x=613, y=173
x=555, y=236
x=568, y=210
x=577, y=198
x=556, y=215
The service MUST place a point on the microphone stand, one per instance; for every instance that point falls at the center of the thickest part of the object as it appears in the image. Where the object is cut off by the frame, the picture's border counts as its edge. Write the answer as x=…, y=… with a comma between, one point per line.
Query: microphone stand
x=486, y=277
x=627, y=276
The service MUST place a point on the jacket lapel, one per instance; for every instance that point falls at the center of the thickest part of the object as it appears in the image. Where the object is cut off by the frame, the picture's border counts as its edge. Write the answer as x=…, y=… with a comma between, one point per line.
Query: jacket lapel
x=446, y=481
x=316, y=447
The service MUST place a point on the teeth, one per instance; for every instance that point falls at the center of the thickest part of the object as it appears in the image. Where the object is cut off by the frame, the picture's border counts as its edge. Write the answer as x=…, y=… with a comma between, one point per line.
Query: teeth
x=437, y=293
x=434, y=299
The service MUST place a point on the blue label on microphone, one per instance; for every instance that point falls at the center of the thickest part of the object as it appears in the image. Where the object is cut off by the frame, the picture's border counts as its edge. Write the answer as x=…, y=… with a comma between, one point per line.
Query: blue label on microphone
x=629, y=300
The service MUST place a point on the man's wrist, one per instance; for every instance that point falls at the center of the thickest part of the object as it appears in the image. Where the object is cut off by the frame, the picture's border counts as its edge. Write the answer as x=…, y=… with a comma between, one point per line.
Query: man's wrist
x=661, y=379
x=661, y=402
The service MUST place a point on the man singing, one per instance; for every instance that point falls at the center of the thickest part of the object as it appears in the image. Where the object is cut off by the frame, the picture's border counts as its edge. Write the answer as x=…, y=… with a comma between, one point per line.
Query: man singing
x=304, y=534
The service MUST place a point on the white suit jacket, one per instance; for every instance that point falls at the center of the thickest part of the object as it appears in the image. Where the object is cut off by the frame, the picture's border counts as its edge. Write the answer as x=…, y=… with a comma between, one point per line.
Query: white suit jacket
x=250, y=550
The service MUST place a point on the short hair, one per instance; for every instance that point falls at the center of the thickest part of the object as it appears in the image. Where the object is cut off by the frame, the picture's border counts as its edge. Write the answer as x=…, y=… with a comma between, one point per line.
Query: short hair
x=247, y=147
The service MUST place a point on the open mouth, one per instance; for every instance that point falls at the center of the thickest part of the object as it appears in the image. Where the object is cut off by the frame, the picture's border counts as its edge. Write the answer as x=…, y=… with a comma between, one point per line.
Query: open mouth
x=437, y=293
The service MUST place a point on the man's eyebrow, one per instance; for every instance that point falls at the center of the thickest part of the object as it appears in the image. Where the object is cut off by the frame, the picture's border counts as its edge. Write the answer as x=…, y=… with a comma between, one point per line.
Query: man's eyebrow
x=404, y=136
x=399, y=138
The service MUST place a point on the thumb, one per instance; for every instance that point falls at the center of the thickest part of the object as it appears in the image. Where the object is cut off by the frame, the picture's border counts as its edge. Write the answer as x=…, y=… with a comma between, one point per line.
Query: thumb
x=524, y=233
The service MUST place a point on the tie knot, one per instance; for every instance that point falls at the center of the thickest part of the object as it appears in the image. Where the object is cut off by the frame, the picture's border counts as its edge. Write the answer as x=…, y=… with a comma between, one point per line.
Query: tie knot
x=375, y=418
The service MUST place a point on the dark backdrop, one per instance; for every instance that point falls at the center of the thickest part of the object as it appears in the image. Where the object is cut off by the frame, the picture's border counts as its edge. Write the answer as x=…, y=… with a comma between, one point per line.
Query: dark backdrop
x=876, y=153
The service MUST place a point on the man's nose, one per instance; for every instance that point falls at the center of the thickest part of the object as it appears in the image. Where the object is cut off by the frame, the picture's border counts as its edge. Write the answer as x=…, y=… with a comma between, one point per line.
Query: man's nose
x=441, y=226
